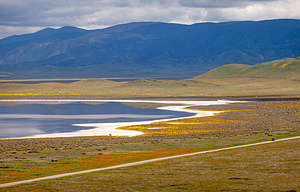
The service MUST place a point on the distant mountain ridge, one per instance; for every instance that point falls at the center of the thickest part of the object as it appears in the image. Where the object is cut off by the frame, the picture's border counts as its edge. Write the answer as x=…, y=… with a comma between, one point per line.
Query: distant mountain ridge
x=147, y=49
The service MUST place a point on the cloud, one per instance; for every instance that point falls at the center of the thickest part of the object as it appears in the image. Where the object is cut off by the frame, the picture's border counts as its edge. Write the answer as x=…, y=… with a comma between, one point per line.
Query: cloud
x=220, y=4
x=19, y=15
x=16, y=30
x=278, y=9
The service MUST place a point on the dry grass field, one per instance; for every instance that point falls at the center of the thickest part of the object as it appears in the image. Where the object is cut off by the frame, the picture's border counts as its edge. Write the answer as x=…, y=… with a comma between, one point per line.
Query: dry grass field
x=272, y=167
x=154, y=88
x=241, y=123
x=271, y=118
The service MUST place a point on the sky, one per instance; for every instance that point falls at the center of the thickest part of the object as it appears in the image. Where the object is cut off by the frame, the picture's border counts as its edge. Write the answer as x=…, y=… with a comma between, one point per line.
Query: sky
x=26, y=16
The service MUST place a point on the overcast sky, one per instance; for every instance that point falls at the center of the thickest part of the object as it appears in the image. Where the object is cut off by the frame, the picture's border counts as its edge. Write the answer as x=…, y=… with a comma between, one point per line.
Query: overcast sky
x=24, y=16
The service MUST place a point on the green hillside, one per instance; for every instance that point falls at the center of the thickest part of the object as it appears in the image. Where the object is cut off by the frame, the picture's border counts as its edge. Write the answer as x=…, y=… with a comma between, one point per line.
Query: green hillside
x=275, y=78
x=285, y=68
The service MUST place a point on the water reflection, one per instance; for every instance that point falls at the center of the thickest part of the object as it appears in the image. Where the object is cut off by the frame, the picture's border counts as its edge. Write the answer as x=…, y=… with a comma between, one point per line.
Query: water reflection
x=31, y=119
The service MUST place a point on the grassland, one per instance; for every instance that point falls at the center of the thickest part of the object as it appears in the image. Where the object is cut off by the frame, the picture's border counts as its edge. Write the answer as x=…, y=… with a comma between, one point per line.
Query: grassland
x=288, y=68
x=272, y=118
x=275, y=78
x=253, y=169
x=242, y=123
x=273, y=167
x=154, y=88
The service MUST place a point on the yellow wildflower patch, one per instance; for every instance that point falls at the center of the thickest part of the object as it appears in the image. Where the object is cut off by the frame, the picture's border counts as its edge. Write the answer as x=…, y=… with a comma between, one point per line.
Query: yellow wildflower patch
x=284, y=65
x=185, y=126
x=32, y=94
x=275, y=64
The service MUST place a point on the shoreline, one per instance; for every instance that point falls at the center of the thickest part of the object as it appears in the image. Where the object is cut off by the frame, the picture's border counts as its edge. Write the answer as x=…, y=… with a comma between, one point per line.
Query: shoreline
x=115, y=129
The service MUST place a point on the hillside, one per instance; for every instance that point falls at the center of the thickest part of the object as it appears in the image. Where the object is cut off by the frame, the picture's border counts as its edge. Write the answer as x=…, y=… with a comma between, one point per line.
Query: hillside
x=274, y=78
x=288, y=68
x=147, y=49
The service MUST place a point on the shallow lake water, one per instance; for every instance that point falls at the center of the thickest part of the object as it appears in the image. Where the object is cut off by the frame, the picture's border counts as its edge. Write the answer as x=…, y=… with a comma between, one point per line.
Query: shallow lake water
x=37, y=82
x=31, y=119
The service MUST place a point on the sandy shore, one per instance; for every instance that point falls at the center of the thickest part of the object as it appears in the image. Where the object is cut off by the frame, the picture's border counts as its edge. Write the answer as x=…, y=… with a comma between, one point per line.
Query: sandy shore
x=110, y=129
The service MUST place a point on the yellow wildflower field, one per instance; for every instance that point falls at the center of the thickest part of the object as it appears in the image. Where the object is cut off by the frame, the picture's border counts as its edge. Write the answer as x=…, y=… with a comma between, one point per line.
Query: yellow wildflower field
x=184, y=126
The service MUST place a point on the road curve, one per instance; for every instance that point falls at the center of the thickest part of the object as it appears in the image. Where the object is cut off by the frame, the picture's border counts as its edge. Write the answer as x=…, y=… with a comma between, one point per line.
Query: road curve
x=139, y=162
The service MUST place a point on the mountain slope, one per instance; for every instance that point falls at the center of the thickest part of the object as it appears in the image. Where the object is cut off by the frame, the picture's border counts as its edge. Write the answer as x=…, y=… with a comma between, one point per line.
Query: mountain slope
x=288, y=68
x=147, y=49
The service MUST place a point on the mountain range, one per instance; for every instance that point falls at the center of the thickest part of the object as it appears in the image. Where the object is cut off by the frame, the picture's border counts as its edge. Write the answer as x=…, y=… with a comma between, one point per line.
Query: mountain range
x=147, y=49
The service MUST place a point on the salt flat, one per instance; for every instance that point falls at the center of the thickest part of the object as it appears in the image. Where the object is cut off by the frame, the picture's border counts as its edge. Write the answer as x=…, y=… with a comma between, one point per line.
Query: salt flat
x=111, y=129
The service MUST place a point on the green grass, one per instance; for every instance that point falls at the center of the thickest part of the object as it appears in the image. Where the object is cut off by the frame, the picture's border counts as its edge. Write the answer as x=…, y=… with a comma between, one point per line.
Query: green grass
x=285, y=68
x=275, y=78
x=287, y=135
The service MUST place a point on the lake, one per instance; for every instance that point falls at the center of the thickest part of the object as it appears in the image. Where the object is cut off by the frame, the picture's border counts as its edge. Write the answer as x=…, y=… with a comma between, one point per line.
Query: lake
x=34, y=119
